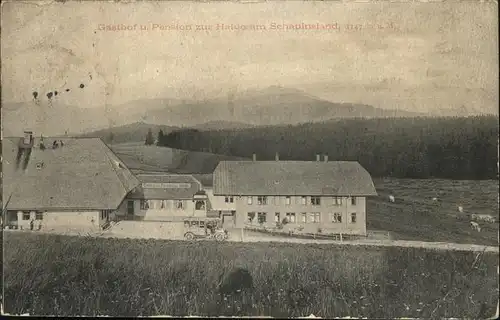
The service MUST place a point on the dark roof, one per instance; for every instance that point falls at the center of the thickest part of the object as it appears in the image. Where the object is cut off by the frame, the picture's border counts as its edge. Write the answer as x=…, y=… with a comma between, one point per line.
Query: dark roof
x=179, y=187
x=335, y=178
x=206, y=179
x=83, y=174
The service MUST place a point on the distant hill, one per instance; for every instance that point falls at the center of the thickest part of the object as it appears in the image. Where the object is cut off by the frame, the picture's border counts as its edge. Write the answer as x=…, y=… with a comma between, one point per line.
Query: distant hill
x=271, y=106
x=222, y=125
x=135, y=132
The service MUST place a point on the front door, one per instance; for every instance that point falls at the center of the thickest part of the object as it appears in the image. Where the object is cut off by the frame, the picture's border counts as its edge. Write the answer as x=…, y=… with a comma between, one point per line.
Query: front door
x=233, y=215
x=130, y=209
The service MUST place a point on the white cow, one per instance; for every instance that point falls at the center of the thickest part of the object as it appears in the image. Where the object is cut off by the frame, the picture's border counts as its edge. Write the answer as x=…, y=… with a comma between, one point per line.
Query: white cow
x=434, y=199
x=392, y=199
x=483, y=217
x=460, y=209
x=475, y=226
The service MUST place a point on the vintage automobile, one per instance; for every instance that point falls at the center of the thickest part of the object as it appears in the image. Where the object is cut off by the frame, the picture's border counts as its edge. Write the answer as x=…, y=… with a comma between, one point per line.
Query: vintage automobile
x=204, y=228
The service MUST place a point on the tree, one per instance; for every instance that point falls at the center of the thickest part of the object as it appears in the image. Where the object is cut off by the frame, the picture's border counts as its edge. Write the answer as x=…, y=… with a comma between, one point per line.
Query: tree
x=453, y=148
x=149, y=138
x=160, y=137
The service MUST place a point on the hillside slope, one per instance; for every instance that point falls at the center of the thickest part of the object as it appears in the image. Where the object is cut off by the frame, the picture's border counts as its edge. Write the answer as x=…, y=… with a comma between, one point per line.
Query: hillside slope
x=140, y=158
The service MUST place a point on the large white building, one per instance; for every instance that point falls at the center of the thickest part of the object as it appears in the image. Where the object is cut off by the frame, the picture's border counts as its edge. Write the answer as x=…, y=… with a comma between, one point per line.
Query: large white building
x=326, y=196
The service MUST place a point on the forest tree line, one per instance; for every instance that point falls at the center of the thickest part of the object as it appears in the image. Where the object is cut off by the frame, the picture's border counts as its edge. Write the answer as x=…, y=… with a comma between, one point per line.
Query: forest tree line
x=449, y=148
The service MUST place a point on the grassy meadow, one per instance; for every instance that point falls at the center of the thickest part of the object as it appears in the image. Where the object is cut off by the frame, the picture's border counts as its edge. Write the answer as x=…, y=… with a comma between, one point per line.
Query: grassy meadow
x=62, y=275
x=415, y=216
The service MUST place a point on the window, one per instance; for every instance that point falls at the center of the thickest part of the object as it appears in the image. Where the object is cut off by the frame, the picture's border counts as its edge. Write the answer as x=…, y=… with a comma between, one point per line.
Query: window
x=249, y=200
x=337, y=217
x=200, y=205
x=290, y=216
x=315, y=201
x=303, y=217
x=288, y=200
x=261, y=217
x=104, y=214
x=311, y=217
x=26, y=215
x=314, y=217
x=39, y=216
x=151, y=204
x=179, y=204
x=303, y=200
x=130, y=207
x=202, y=224
x=262, y=200
x=250, y=216
x=353, y=217
x=337, y=201
x=353, y=201
x=277, y=217
x=229, y=199
x=163, y=204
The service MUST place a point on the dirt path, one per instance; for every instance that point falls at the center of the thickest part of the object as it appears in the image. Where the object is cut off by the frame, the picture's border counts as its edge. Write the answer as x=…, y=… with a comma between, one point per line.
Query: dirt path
x=381, y=243
x=256, y=237
x=250, y=236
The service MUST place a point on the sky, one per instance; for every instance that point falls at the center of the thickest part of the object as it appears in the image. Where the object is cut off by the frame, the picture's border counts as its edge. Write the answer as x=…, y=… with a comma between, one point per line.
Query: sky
x=415, y=56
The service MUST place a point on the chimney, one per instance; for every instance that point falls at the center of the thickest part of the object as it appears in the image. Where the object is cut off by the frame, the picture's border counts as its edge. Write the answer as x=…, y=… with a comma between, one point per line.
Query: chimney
x=325, y=157
x=318, y=157
x=254, y=157
x=277, y=157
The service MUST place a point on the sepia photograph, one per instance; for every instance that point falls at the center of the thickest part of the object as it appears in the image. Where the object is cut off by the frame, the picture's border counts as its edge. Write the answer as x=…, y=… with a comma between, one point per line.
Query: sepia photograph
x=270, y=159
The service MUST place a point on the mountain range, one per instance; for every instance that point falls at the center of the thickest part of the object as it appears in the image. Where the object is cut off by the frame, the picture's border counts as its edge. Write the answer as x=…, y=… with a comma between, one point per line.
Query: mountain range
x=272, y=106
